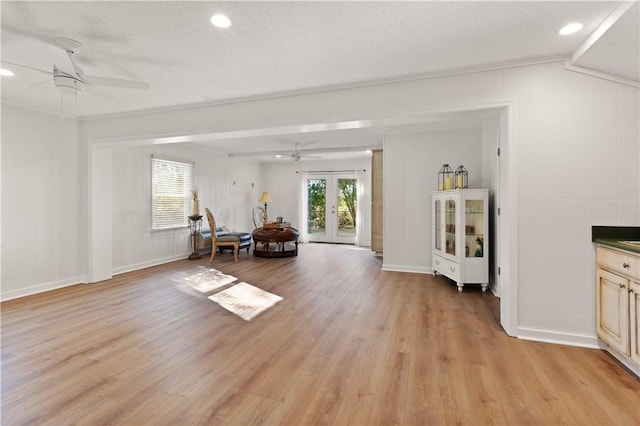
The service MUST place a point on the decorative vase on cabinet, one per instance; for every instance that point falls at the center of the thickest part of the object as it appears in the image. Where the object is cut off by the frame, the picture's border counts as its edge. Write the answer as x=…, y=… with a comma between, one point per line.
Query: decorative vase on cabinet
x=460, y=230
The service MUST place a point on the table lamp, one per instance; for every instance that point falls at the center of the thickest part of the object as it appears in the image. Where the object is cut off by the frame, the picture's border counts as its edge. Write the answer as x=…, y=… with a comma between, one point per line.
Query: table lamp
x=265, y=199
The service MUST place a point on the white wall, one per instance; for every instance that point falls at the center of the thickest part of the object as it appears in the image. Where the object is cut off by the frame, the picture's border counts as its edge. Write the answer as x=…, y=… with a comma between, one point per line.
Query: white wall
x=578, y=142
x=224, y=186
x=283, y=181
x=411, y=165
x=43, y=207
x=41, y=214
x=246, y=182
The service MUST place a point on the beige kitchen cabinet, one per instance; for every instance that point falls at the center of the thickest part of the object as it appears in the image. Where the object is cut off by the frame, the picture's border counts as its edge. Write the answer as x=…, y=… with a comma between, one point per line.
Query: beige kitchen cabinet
x=613, y=308
x=634, y=316
x=618, y=303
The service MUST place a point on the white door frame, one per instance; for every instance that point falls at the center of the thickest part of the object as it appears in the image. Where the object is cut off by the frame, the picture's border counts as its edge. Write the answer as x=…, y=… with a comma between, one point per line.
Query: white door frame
x=508, y=222
x=331, y=208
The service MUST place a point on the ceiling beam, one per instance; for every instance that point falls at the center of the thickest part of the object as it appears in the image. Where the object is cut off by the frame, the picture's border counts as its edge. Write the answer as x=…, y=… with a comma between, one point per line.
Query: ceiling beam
x=601, y=30
x=307, y=151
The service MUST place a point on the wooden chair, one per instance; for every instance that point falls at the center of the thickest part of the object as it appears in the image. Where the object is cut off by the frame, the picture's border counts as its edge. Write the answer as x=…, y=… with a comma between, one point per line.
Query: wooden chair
x=259, y=217
x=225, y=241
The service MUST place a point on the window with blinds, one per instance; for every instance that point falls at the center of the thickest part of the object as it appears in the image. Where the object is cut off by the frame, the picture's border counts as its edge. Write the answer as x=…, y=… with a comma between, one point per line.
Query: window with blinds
x=171, y=184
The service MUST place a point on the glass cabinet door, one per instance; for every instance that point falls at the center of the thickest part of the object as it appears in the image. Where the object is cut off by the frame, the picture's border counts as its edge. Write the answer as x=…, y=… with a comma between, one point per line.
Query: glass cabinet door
x=473, y=229
x=438, y=224
x=450, y=226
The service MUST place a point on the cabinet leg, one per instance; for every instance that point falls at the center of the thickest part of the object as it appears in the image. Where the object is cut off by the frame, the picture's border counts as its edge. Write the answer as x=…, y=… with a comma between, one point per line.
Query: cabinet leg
x=460, y=285
x=484, y=287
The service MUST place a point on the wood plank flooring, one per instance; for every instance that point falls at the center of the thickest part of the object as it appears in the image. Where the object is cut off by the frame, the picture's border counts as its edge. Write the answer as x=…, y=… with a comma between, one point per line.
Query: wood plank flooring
x=349, y=345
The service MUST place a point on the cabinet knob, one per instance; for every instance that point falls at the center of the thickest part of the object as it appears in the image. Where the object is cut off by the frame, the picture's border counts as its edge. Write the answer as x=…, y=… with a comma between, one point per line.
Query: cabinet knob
x=621, y=285
x=625, y=265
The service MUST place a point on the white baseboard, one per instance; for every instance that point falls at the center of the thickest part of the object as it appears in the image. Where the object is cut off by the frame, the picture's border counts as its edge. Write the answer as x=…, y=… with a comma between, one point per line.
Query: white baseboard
x=148, y=264
x=404, y=268
x=591, y=342
x=41, y=288
x=53, y=285
x=560, y=338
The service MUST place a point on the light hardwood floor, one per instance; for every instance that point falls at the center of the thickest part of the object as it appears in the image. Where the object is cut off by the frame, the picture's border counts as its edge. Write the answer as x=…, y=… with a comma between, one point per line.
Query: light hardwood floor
x=349, y=345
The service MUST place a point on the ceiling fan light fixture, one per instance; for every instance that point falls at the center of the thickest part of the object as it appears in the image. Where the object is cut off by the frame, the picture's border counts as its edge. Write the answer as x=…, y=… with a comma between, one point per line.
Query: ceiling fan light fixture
x=67, y=84
x=220, y=21
x=6, y=73
x=570, y=28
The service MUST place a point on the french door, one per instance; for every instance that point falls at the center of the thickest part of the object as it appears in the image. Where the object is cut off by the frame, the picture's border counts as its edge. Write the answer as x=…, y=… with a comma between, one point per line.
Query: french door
x=332, y=201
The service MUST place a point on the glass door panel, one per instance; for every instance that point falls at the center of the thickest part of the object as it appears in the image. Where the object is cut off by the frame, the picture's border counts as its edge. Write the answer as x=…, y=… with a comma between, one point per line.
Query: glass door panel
x=474, y=228
x=450, y=226
x=347, y=203
x=317, y=208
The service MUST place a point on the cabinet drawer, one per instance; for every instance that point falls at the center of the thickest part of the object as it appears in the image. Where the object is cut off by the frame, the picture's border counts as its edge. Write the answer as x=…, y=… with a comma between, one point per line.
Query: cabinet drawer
x=446, y=267
x=617, y=261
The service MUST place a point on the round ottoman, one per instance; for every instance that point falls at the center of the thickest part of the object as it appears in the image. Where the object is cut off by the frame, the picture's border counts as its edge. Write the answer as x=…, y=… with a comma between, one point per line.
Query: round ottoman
x=275, y=242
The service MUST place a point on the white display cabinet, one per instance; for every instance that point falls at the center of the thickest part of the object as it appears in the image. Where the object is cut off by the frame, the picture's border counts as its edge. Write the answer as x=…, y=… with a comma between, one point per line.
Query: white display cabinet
x=460, y=242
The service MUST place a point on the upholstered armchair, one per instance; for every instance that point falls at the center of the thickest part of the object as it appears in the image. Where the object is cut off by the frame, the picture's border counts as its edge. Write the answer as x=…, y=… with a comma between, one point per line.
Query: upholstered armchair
x=221, y=239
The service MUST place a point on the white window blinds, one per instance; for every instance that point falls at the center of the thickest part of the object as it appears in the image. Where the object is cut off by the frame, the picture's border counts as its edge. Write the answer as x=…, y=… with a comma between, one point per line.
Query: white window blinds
x=171, y=184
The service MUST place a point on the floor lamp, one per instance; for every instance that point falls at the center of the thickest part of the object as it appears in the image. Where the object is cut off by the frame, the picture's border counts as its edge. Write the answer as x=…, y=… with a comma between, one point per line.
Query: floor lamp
x=265, y=199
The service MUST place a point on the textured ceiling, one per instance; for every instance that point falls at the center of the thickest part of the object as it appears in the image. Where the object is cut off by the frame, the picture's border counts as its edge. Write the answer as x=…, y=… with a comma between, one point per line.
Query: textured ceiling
x=288, y=47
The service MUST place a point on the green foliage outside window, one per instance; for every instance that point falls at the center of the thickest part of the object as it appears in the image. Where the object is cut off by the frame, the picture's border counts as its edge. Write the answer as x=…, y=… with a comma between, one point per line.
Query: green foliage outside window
x=317, y=193
x=346, y=209
x=348, y=201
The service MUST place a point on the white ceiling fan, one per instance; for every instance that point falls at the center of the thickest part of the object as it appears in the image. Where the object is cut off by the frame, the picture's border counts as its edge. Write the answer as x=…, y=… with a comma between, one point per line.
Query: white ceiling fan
x=296, y=155
x=68, y=78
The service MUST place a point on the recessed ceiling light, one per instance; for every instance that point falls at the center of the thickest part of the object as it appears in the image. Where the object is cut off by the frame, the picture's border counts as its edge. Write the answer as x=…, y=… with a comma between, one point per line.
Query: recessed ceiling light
x=571, y=28
x=220, y=21
x=5, y=73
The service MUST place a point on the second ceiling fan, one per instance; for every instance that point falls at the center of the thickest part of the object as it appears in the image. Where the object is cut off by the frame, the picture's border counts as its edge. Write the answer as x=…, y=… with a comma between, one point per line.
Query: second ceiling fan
x=296, y=155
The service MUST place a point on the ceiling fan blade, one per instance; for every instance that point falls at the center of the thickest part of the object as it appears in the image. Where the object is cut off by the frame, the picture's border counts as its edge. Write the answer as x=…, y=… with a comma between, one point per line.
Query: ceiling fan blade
x=115, y=82
x=27, y=67
x=37, y=84
x=99, y=93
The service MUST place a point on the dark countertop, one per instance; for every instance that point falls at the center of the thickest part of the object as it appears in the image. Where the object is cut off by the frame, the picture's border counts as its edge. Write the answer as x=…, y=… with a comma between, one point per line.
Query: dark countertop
x=617, y=237
x=619, y=244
